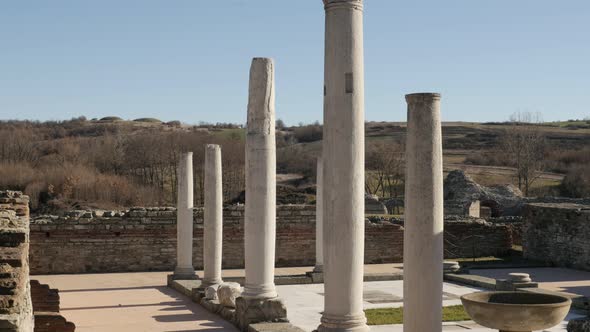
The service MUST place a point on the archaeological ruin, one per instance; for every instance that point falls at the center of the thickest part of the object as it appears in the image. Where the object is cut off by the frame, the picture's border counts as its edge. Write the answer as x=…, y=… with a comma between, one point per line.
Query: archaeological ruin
x=454, y=236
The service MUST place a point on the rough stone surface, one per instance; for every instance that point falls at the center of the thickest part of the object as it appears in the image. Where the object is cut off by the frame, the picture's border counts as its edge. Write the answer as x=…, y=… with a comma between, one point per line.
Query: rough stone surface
x=557, y=233
x=46, y=309
x=251, y=311
x=461, y=192
x=211, y=292
x=579, y=325
x=16, y=309
x=228, y=292
x=61, y=244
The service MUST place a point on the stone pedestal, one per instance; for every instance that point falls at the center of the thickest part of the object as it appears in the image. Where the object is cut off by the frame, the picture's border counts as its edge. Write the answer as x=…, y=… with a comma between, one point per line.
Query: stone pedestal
x=515, y=281
x=260, y=211
x=213, y=217
x=423, y=234
x=184, y=219
x=451, y=267
x=343, y=168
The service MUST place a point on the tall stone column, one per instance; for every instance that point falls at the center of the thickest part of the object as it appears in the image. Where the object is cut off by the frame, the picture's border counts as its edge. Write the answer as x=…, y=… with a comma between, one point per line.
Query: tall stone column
x=343, y=167
x=259, y=301
x=260, y=210
x=319, y=234
x=423, y=227
x=184, y=219
x=213, y=233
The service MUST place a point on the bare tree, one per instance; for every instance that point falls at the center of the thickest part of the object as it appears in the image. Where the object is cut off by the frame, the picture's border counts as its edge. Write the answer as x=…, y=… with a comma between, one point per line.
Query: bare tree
x=385, y=168
x=523, y=146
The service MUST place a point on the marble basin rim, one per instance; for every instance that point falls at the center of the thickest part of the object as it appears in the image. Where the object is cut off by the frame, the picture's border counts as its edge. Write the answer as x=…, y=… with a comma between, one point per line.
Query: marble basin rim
x=516, y=311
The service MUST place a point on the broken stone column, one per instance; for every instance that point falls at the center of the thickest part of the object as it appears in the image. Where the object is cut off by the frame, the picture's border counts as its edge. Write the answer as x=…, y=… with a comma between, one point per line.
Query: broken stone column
x=184, y=219
x=259, y=301
x=319, y=237
x=343, y=168
x=213, y=217
x=423, y=227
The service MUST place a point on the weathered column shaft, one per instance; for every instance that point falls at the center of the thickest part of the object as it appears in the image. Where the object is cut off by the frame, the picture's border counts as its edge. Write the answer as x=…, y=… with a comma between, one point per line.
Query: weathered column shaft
x=184, y=218
x=319, y=234
x=423, y=227
x=343, y=167
x=260, y=213
x=213, y=232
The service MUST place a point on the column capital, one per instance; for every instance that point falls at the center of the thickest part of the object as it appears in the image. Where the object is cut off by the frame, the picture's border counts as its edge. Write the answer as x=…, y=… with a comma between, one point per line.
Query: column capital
x=213, y=147
x=351, y=4
x=421, y=97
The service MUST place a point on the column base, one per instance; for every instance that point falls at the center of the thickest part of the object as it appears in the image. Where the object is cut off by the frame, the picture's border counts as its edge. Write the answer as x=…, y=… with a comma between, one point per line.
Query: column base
x=260, y=292
x=206, y=283
x=316, y=277
x=184, y=273
x=252, y=311
x=356, y=323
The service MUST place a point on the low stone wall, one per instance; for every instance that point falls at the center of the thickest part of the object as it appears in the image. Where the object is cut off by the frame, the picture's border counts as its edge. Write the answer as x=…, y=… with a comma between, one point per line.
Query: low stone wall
x=472, y=237
x=16, y=310
x=557, y=233
x=144, y=239
x=46, y=309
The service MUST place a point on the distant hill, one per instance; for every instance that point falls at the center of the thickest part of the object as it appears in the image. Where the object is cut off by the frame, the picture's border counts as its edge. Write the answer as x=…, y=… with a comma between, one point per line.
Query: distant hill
x=113, y=162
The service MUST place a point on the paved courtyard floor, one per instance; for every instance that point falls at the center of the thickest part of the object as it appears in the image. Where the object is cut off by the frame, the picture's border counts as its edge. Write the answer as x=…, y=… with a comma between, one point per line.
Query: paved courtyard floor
x=133, y=302
x=551, y=278
x=305, y=304
x=141, y=302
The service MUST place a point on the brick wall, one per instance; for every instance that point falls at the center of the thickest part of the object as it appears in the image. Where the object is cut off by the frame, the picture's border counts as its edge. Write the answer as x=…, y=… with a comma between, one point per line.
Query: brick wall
x=557, y=233
x=144, y=239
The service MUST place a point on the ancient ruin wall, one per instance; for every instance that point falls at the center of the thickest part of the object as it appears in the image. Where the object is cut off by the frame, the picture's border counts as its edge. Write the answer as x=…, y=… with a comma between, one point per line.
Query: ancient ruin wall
x=145, y=240
x=557, y=233
x=16, y=310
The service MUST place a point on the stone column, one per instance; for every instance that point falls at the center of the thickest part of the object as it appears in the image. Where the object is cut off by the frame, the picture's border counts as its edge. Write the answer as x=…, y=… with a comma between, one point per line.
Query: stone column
x=423, y=227
x=343, y=167
x=259, y=301
x=260, y=210
x=319, y=237
x=213, y=232
x=184, y=219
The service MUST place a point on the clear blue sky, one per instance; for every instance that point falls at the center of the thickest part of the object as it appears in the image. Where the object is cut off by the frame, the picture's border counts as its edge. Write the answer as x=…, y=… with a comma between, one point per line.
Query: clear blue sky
x=189, y=60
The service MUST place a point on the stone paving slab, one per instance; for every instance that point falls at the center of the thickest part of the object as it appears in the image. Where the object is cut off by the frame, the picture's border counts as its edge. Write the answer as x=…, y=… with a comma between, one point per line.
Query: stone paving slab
x=129, y=302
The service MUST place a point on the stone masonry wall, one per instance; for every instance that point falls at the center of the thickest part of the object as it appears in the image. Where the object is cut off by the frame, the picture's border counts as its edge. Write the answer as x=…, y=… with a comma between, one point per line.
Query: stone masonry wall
x=16, y=310
x=144, y=239
x=557, y=233
x=46, y=309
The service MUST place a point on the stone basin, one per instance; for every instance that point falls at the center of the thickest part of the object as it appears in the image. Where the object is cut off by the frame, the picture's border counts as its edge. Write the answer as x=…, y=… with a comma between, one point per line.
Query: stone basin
x=516, y=311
